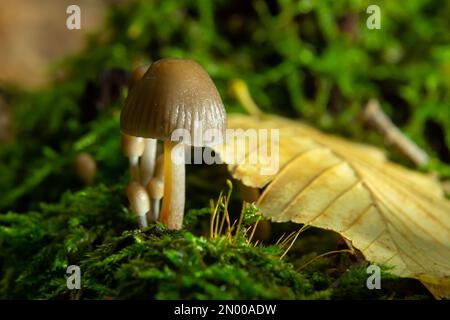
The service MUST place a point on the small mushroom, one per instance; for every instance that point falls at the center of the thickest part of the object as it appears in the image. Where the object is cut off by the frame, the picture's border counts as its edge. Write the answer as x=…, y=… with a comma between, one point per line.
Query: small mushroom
x=155, y=188
x=133, y=148
x=136, y=75
x=147, y=161
x=139, y=202
x=174, y=94
x=85, y=167
x=147, y=166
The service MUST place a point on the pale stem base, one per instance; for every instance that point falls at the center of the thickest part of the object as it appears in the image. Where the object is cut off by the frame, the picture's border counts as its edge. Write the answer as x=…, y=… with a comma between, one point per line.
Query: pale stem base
x=174, y=186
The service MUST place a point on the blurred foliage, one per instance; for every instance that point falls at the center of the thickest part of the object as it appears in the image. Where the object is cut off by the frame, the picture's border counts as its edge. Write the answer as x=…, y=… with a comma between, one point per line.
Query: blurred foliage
x=307, y=59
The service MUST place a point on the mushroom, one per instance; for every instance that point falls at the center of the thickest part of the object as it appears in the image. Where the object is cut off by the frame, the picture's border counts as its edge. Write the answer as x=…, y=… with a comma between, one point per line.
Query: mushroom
x=173, y=95
x=136, y=75
x=133, y=148
x=139, y=202
x=155, y=189
x=147, y=166
x=147, y=162
x=85, y=167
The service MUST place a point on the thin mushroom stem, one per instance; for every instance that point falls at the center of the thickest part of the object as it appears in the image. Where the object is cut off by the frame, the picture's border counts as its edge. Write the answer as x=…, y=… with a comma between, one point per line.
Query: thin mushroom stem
x=134, y=168
x=155, y=189
x=139, y=202
x=374, y=115
x=148, y=160
x=133, y=147
x=159, y=168
x=174, y=185
x=155, y=208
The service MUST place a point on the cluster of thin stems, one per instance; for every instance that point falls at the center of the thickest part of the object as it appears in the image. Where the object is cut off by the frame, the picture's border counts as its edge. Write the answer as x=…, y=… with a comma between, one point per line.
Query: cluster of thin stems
x=145, y=189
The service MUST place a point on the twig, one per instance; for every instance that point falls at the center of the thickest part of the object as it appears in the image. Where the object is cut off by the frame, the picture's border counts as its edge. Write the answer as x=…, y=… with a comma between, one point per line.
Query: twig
x=240, y=90
x=374, y=115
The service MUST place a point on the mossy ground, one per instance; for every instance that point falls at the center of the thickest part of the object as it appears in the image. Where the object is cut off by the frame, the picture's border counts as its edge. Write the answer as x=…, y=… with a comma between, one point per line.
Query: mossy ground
x=94, y=230
x=298, y=61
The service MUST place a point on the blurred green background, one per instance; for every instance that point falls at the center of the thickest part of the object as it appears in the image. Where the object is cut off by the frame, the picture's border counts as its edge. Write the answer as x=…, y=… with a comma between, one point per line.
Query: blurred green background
x=314, y=60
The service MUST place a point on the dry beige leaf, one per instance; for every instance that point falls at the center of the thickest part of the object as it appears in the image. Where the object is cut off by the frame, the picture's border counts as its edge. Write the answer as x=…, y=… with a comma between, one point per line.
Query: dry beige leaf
x=394, y=216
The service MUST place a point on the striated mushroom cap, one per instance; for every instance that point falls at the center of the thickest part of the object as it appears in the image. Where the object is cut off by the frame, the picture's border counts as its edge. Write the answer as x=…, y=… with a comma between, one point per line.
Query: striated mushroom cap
x=174, y=94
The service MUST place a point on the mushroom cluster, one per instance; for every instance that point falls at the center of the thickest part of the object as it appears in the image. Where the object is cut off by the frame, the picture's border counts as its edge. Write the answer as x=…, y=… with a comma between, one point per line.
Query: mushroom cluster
x=174, y=101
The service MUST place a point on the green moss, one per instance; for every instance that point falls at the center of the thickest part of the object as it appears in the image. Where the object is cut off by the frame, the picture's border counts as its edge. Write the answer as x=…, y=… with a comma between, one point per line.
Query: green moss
x=86, y=229
x=180, y=265
x=353, y=283
x=38, y=247
x=92, y=229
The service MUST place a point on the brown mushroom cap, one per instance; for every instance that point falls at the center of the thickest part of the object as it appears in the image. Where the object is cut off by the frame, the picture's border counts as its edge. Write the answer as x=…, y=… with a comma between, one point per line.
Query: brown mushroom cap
x=137, y=75
x=173, y=94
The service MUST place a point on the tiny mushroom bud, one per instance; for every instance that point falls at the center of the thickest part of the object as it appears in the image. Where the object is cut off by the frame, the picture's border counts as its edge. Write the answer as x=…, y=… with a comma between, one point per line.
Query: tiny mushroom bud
x=85, y=167
x=139, y=202
x=133, y=148
x=175, y=100
x=156, y=189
